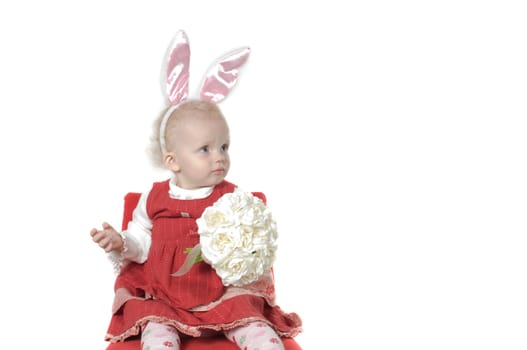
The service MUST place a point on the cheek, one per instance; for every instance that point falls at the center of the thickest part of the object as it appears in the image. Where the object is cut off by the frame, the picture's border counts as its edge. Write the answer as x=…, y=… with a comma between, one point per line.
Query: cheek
x=202, y=165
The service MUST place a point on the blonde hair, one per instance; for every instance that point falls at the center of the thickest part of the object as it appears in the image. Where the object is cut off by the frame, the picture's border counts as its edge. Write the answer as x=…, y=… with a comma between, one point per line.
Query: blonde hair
x=186, y=108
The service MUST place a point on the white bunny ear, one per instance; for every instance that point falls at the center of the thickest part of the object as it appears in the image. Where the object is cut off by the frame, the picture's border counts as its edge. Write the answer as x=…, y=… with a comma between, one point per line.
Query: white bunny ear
x=222, y=77
x=177, y=68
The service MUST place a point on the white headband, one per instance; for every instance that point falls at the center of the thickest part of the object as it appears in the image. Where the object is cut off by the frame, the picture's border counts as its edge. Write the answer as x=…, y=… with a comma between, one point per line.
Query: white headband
x=219, y=80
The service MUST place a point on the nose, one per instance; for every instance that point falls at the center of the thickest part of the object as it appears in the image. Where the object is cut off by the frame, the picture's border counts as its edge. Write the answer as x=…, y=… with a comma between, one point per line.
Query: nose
x=219, y=157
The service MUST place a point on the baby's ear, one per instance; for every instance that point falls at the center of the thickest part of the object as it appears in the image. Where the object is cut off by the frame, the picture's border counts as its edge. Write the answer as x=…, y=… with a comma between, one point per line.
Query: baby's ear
x=170, y=161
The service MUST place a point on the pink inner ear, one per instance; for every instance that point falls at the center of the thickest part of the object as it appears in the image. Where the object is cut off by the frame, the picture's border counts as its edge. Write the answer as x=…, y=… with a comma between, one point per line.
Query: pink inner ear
x=178, y=69
x=221, y=79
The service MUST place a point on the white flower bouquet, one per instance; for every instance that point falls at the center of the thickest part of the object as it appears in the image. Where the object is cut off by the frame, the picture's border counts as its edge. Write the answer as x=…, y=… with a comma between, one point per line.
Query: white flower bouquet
x=237, y=238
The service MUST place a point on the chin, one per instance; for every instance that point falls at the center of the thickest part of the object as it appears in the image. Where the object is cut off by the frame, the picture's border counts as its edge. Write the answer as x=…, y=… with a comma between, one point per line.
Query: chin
x=217, y=181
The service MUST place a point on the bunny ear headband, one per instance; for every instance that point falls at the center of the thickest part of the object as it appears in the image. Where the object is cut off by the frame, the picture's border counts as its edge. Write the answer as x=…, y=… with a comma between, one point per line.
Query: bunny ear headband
x=218, y=82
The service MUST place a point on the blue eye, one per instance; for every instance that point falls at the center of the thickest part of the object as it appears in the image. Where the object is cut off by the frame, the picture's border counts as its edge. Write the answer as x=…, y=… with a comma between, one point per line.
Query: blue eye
x=204, y=149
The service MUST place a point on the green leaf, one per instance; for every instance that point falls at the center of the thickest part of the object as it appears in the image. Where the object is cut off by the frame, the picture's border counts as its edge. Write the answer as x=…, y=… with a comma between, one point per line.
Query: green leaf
x=198, y=258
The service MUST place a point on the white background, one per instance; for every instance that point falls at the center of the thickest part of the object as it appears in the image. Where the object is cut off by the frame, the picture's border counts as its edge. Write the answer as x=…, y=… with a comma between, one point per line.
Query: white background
x=389, y=137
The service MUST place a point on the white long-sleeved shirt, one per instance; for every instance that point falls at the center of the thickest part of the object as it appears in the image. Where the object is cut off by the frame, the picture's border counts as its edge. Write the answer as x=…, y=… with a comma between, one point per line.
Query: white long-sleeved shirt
x=138, y=236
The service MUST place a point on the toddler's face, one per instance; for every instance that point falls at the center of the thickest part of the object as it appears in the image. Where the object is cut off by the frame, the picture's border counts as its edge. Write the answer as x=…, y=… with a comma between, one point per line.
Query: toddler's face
x=201, y=146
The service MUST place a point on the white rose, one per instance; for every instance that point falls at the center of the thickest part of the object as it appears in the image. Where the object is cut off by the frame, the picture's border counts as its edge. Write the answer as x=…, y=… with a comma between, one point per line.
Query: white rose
x=240, y=271
x=217, y=247
x=238, y=237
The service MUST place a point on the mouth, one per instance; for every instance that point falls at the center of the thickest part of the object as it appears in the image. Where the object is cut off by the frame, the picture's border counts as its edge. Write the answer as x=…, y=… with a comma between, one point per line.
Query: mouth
x=218, y=171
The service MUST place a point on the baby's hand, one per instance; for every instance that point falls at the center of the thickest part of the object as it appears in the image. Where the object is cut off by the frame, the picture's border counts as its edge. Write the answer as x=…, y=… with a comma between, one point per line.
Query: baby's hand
x=108, y=238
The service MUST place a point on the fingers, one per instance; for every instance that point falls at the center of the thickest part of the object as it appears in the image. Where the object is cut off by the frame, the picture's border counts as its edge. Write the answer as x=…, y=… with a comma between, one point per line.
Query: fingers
x=106, y=244
x=102, y=237
x=107, y=238
x=104, y=240
x=97, y=236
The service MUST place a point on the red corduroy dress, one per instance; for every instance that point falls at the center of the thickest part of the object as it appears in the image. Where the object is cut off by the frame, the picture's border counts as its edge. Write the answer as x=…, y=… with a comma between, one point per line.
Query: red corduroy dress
x=196, y=303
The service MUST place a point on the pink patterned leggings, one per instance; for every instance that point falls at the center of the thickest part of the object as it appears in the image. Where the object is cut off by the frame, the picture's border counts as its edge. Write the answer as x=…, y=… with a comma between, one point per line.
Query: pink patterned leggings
x=253, y=336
